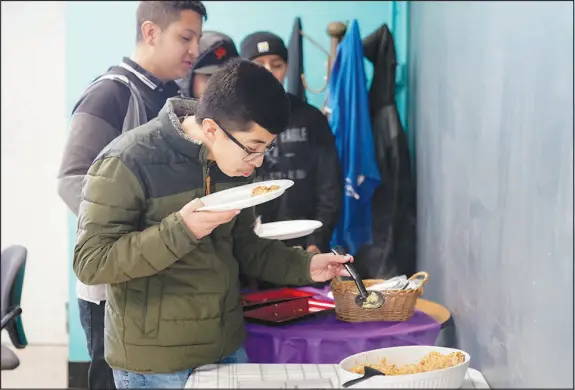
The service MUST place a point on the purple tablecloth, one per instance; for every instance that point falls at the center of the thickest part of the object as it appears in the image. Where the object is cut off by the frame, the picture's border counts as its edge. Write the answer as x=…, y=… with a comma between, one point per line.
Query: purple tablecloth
x=326, y=340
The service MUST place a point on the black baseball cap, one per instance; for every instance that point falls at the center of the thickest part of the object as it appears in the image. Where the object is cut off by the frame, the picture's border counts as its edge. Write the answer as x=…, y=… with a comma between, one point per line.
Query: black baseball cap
x=215, y=50
x=263, y=43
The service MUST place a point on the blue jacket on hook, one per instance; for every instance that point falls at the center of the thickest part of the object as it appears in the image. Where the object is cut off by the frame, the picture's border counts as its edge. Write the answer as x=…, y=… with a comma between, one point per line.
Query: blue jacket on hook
x=351, y=125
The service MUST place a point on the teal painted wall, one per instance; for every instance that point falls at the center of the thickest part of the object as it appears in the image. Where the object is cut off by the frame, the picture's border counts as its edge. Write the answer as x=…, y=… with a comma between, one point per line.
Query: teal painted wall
x=100, y=33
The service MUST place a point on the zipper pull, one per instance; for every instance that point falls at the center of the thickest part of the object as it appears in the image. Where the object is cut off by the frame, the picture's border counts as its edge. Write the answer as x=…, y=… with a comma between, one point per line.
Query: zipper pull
x=208, y=180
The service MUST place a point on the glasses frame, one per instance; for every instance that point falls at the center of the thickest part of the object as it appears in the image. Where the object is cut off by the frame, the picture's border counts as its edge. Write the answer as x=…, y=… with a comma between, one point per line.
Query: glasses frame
x=251, y=156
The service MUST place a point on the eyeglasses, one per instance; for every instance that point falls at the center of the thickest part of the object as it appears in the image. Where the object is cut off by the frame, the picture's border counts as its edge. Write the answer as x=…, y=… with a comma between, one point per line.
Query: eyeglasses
x=251, y=156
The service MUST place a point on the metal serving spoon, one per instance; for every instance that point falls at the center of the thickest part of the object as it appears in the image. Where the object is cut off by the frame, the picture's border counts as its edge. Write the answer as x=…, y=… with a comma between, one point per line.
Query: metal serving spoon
x=365, y=299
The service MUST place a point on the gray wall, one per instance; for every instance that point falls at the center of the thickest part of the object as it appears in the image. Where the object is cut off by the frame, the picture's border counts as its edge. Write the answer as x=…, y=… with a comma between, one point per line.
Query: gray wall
x=491, y=103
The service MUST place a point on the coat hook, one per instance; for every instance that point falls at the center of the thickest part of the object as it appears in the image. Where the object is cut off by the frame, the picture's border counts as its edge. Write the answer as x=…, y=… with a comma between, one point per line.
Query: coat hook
x=336, y=30
x=303, y=78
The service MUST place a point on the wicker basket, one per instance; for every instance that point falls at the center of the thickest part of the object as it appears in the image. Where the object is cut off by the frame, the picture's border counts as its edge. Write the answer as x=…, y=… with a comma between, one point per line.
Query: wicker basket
x=399, y=305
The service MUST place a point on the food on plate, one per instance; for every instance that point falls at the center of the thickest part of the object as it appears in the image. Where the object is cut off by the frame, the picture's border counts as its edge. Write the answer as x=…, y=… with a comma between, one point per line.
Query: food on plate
x=433, y=361
x=260, y=190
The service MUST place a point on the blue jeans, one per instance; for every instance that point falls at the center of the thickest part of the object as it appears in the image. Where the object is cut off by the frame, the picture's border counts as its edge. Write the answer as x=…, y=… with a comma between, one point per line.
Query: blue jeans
x=176, y=380
x=92, y=320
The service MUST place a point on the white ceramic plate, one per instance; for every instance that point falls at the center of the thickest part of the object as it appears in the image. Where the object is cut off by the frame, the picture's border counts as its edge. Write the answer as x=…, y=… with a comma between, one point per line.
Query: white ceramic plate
x=448, y=378
x=241, y=197
x=287, y=230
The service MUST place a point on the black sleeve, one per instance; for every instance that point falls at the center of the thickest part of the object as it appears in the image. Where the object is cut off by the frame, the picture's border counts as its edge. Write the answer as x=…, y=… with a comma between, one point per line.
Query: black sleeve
x=328, y=184
x=95, y=122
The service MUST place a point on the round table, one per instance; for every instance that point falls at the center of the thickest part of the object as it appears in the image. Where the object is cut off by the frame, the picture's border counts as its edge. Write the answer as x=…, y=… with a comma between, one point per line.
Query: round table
x=323, y=339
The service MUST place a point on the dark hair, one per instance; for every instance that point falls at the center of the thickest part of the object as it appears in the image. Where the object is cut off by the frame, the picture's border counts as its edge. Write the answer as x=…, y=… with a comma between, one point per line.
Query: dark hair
x=242, y=93
x=163, y=13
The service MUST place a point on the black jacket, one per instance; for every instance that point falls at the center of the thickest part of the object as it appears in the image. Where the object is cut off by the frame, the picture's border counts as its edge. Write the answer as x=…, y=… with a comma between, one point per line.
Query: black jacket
x=103, y=112
x=393, y=203
x=306, y=154
x=295, y=64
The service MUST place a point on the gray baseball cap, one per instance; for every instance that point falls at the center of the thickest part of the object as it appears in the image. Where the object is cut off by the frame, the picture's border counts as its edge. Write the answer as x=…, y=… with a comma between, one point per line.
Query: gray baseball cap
x=215, y=50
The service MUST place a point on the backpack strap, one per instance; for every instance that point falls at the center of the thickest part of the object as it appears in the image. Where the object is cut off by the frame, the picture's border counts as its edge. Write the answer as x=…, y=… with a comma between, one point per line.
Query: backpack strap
x=136, y=113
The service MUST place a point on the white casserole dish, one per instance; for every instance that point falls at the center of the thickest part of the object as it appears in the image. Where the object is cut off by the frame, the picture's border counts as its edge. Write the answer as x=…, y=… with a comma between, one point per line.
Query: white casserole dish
x=448, y=378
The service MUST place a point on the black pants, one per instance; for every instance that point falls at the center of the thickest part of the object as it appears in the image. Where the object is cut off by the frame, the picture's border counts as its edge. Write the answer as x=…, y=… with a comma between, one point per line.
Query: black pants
x=92, y=318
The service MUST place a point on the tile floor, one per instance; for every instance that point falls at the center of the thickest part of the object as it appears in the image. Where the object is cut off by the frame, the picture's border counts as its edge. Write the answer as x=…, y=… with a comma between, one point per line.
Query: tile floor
x=40, y=367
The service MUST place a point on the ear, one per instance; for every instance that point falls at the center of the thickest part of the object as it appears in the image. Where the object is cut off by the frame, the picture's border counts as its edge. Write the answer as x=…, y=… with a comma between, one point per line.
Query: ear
x=150, y=32
x=209, y=127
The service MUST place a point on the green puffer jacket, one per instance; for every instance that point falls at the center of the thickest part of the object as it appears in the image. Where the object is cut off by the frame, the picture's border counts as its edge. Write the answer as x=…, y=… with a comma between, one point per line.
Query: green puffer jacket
x=173, y=301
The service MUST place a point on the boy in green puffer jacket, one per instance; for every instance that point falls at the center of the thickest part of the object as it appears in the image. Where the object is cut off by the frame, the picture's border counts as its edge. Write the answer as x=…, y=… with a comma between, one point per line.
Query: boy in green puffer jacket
x=172, y=271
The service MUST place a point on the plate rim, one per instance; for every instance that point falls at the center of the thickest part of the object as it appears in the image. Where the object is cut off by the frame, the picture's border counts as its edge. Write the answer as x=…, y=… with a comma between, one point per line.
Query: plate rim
x=288, y=184
x=293, y=220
